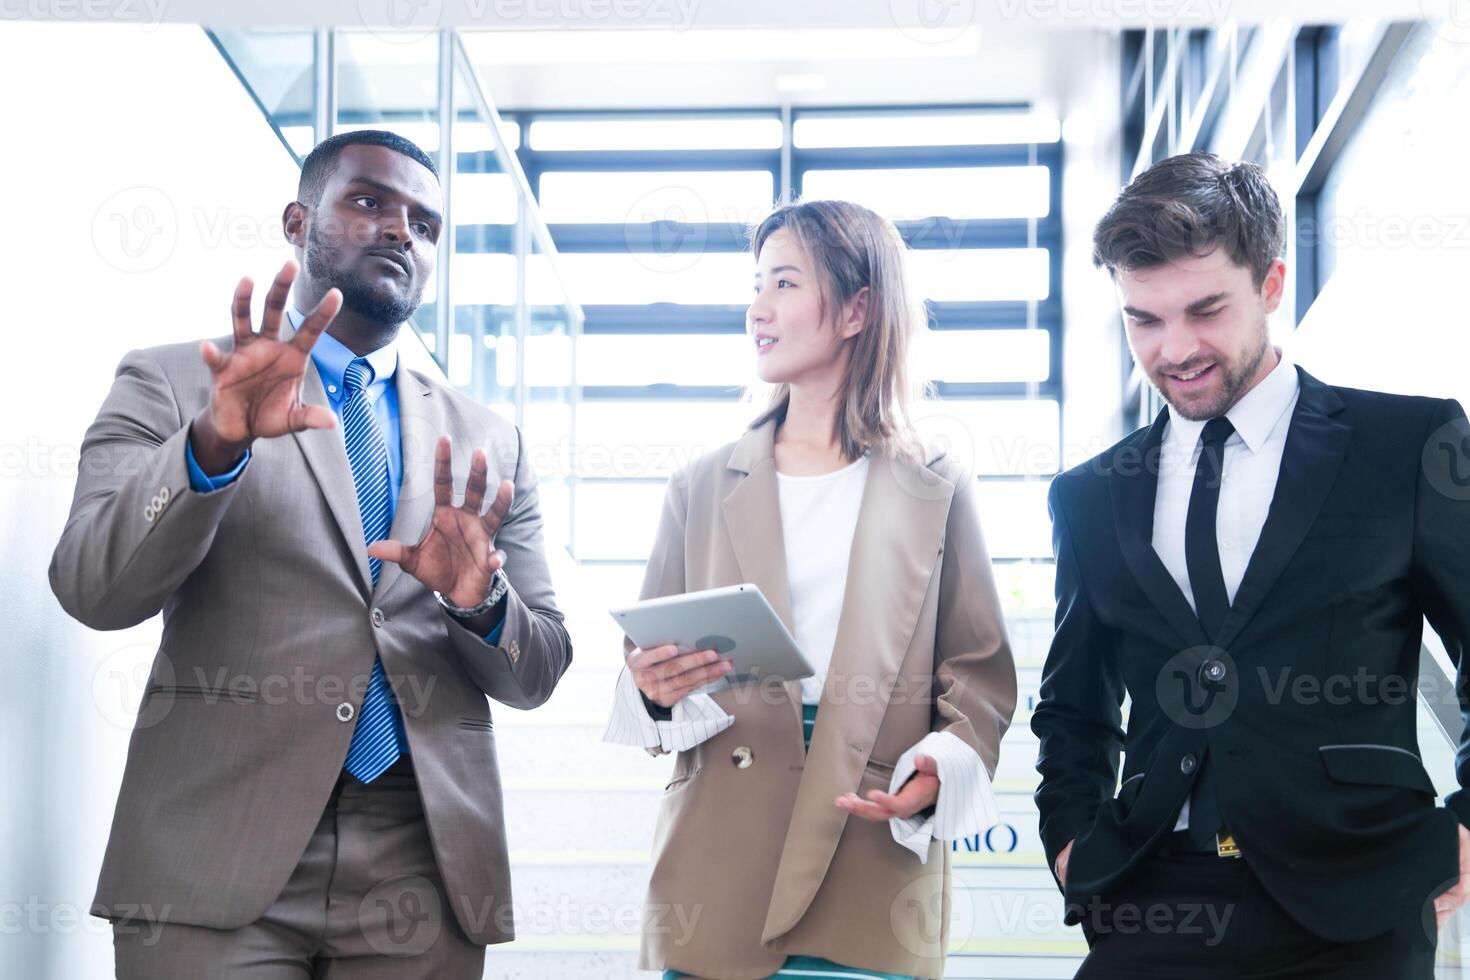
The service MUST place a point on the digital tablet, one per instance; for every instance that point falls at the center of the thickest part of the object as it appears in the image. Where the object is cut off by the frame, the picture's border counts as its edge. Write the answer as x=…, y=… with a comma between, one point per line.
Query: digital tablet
x=736, y=621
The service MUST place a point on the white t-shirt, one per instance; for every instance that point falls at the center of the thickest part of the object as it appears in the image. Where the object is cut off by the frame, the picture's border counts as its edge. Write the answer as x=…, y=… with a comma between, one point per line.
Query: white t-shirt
x=818, y=518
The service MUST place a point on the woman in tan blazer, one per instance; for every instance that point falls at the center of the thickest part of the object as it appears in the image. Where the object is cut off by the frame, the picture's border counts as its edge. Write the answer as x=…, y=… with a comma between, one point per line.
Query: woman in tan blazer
x=805, y=829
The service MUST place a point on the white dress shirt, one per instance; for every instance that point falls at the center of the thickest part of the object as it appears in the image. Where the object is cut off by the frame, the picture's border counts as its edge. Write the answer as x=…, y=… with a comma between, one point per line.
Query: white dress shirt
x=819, y=516
x=1249, y=469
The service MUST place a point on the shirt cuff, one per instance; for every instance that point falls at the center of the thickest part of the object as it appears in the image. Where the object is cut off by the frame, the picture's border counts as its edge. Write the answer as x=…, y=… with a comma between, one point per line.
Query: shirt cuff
x=966, y=804
x=696, y=718
x=202, y=482
x=493, y=637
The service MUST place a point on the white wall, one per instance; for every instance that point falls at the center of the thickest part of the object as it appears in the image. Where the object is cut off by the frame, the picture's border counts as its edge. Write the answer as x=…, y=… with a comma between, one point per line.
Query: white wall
x=1093, y=342
x=1396, y=215
x=110, y=131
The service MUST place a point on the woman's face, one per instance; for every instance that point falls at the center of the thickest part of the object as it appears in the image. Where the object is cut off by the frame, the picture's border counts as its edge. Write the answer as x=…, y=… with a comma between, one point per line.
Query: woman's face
x=793, y=343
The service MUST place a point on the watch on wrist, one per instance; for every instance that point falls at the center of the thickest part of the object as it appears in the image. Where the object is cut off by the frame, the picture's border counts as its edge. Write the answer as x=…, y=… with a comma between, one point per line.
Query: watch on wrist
x=499, y=586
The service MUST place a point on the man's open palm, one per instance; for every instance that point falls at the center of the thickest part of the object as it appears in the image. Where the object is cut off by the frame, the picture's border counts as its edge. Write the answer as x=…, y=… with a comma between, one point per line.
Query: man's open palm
x=457, y=555
x=257, y=385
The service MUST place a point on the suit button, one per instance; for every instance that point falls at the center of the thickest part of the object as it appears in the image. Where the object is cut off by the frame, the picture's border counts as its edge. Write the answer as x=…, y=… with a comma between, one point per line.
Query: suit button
x=1187, y=764
x=742, y=757
x=345, y=712
x=377, y=618
x=1213, y=670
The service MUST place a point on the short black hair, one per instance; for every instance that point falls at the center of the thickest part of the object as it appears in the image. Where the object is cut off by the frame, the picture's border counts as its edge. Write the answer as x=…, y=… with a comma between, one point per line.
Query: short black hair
x=321, y=162
x=1189, y=205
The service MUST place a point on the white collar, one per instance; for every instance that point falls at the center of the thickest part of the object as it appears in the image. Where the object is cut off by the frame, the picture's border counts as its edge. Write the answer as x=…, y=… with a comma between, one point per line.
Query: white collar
x=1254, y=416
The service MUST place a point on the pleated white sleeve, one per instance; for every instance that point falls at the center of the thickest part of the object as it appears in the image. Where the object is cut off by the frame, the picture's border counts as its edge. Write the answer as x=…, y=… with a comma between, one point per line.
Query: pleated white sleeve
x=966, y=803
x=696, y=718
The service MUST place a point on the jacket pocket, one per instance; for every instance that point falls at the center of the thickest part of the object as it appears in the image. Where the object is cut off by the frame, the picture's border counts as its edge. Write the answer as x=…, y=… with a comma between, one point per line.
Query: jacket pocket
x=1128, y=789
x=1376, y=764
x=477, y=724
x=209, y=695
x=681, y=779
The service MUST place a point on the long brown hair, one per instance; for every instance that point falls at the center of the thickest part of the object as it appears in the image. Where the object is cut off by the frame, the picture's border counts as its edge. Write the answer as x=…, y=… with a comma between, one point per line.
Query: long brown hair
x=853, y=247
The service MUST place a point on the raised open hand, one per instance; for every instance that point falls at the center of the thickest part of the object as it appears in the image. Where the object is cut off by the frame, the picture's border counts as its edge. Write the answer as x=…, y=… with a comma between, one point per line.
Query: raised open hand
x=457, y=555
x=257, y=385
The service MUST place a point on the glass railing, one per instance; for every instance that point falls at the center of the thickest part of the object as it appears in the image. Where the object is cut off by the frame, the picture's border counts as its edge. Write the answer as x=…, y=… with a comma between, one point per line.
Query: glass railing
x=497, y=320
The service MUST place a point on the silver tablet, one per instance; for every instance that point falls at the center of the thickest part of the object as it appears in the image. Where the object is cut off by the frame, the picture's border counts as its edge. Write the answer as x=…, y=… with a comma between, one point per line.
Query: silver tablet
x=736, y=621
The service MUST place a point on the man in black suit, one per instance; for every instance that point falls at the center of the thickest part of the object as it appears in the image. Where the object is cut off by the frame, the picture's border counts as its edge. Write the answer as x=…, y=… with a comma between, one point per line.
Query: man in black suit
x=1253, y=570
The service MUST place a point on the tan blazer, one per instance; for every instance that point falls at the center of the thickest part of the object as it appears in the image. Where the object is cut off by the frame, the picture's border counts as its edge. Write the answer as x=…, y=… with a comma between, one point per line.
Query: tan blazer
x=270, y=625
x=753, y=864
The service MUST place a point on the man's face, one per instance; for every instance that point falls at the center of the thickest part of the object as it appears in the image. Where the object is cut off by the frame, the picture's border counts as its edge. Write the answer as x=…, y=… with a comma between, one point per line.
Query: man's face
x=374, y=233
x=1197, y=327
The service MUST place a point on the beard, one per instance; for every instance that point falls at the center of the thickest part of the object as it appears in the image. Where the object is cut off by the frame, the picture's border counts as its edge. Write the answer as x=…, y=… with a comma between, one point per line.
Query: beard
x=1235, y=380
x=368, y=300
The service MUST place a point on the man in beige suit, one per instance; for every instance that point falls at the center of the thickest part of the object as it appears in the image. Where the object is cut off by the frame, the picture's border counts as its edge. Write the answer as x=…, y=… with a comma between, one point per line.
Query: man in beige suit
x=311, y=787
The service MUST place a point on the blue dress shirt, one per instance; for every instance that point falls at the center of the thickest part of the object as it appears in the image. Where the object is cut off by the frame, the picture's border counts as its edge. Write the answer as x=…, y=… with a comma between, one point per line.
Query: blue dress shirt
x=331, y=358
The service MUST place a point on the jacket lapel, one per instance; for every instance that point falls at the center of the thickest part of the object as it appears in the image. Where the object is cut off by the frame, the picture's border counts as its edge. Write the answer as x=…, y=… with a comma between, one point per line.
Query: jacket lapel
x=419, y=426
x=1133, y=487
x=753, y=519
x=1315, y=445
x=326, y=454
x=895, y=550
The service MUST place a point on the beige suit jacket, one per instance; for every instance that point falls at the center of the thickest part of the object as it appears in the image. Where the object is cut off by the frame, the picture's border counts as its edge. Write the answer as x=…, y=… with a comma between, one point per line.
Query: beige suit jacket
x=754, y=863
x=270, y=627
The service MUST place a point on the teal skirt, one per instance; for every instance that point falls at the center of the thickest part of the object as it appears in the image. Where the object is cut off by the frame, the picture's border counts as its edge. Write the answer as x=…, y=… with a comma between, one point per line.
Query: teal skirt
x=814, y=967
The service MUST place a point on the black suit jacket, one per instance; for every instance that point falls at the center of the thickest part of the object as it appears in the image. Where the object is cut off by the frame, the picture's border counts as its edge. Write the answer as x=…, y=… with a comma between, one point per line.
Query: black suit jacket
x=1310, y=729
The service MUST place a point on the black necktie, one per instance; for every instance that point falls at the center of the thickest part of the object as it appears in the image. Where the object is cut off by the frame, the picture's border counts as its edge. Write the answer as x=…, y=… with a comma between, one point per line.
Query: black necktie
x=1211, y=601
x=1201, y=543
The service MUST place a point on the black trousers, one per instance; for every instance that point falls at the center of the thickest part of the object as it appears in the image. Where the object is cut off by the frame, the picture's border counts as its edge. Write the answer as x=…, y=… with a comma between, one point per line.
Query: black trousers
x=1199, y=916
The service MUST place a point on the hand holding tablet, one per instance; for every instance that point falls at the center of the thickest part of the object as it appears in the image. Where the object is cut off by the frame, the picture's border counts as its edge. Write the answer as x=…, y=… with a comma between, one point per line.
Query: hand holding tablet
x=734, y=625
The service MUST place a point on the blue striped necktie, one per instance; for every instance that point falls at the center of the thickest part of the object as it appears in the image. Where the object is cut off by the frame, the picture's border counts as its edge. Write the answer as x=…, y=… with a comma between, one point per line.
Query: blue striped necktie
x=376, y=740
